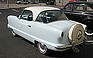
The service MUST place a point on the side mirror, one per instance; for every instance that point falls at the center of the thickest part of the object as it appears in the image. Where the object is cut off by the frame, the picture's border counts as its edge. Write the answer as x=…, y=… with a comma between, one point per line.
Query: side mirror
x=18, y=16
x=25, y=17
x=30, y=18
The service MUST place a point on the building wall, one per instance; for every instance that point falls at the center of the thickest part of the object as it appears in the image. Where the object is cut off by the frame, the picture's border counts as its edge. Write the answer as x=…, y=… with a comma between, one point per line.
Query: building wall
x=29, y=0
x=90, y=0
x=5, y=1
x=61, y=2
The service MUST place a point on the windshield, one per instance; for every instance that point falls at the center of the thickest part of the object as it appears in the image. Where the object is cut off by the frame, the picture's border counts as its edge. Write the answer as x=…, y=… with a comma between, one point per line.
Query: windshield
x=50, y=16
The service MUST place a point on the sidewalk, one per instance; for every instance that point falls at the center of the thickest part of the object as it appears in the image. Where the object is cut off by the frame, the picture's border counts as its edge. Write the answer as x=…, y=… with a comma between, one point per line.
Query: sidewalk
x=4, y=6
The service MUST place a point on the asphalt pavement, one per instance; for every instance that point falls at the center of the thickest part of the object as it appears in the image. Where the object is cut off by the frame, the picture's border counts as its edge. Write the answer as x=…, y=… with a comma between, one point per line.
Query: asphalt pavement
x=8, y=6
x=18, y=47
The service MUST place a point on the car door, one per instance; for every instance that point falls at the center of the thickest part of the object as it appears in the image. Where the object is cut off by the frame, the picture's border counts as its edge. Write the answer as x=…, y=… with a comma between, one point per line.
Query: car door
x=26, y=21
x=74, y=11
x=78, y=12
x=68, y=10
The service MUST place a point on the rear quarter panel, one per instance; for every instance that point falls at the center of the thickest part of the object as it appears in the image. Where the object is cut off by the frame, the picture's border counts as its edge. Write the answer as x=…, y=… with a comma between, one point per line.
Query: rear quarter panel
x=45, y=33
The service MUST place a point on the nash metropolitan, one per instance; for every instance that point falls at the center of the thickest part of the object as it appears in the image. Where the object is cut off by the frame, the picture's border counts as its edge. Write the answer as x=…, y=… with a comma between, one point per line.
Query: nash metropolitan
x=48, y=28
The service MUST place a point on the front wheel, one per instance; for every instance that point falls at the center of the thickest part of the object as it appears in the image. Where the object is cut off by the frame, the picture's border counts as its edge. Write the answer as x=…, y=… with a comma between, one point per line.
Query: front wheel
x=89, y=28
x=13, y=33
x=42, y=48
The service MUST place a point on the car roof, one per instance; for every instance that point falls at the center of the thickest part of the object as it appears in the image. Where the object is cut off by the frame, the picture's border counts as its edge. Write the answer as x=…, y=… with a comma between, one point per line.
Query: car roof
x=82, y=2
x=37, y=9
x=40, y=8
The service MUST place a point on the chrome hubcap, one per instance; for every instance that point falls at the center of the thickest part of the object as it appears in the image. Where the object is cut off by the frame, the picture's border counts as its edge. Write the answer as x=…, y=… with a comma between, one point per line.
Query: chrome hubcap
x=42, y=48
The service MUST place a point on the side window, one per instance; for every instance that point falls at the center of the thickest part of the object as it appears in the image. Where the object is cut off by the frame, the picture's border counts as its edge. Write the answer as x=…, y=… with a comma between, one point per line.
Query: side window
x=79, y=7
x=48, y=16
x=89, y=8
x=41, y=17
x=27, y=15
x=69, y=7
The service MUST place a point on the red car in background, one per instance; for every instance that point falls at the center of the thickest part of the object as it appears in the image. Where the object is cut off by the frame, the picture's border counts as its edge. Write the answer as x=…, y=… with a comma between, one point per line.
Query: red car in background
x=73, y=0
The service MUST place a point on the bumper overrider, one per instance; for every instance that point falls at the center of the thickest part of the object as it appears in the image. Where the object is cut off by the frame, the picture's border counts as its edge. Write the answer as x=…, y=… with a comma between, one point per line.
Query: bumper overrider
x=73, y=46
x=63, y=46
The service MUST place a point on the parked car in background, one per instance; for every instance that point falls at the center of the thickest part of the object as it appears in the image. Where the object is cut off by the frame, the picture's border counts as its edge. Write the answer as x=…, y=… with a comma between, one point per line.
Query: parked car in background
x=34, y=2
x=22, y=2
x=48, y=28
x=81, y=12
x=50, y=2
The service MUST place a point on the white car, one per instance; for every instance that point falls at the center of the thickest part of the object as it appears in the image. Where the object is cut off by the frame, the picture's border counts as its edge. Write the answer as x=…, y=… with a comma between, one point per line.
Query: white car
x=48, y=28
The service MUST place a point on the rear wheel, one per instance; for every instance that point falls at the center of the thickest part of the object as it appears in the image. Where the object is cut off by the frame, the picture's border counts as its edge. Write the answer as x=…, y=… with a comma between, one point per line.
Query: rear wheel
x=42, y=48
x=75, y=49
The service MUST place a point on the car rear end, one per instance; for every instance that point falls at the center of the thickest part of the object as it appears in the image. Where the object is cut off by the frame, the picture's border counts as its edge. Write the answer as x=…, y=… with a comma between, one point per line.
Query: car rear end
x=71, y=38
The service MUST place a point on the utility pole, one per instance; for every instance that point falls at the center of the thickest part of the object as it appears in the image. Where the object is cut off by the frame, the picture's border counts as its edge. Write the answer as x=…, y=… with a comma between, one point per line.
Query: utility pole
x=8, y=3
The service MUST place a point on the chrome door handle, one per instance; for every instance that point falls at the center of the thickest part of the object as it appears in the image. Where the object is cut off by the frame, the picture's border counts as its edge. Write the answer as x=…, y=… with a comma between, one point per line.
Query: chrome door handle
x=29, y=26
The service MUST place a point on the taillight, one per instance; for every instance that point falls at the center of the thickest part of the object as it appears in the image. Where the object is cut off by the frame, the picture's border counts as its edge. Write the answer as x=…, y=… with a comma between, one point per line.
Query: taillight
x=62, y=34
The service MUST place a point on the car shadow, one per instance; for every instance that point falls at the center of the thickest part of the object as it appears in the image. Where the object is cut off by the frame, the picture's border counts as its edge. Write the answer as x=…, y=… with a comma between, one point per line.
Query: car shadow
x=64, y=54
x=85, y=52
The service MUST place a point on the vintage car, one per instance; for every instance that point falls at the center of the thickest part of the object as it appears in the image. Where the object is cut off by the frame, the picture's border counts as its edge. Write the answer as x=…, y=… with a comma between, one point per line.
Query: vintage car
x=48, y=28
x=22, y=2
x=81, y=12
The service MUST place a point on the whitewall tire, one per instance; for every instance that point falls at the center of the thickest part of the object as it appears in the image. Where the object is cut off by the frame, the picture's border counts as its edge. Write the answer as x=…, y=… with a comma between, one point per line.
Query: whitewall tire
x=13, y=33
x=42, y=48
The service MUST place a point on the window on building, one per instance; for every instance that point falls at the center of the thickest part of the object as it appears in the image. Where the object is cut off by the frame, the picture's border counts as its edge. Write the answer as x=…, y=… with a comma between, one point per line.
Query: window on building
x=69, y=7
x=59, y=1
